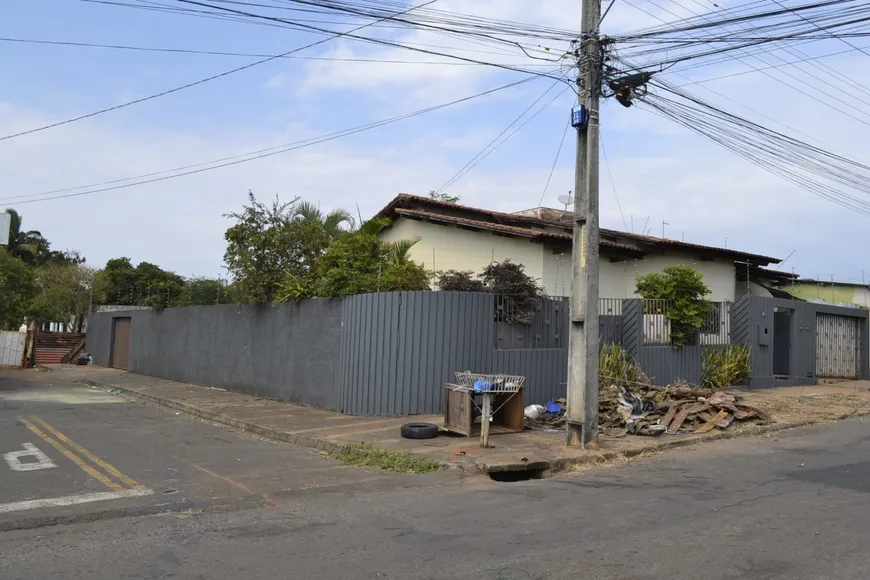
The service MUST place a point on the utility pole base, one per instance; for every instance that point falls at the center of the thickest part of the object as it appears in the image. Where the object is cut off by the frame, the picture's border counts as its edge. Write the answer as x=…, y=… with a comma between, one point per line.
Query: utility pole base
x=577, y=436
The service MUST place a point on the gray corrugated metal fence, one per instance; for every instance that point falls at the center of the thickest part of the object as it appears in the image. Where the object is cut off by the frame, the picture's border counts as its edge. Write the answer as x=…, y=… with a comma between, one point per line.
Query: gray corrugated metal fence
x=398, y=349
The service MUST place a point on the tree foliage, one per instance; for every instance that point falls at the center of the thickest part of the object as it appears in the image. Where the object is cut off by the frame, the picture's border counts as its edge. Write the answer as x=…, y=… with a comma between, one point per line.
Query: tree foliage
x=17, y=288
x=64, y=294
x=517, y=293
x=684, y=289
x=445, y=197
x=360, y=262
x=459, y=281
x=270, y=244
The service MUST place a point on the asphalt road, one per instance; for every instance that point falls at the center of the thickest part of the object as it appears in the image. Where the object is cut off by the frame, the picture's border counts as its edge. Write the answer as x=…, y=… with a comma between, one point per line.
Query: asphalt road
x=789, y=506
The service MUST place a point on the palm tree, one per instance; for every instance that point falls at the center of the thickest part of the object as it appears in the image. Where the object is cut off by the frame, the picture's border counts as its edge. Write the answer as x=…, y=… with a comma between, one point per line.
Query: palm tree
x=24, y=245
x=332, y=222
x=399, y=252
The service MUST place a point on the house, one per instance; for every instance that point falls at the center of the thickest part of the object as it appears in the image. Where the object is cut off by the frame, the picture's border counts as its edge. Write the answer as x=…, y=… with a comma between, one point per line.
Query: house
x=818, y=291
x=457, y=237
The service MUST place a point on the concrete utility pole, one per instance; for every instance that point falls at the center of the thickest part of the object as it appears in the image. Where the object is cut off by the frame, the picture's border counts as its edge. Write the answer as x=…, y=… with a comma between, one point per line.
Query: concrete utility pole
x=582, y=414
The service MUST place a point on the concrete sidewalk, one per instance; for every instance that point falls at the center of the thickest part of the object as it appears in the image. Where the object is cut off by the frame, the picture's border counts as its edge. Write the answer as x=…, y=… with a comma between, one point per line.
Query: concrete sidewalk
x=531, y=450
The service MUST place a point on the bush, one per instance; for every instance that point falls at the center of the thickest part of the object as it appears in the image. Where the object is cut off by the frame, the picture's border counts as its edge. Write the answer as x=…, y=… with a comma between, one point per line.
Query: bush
x=725, y=367
x=616, y=368
x=685, y=290
x=456, y=281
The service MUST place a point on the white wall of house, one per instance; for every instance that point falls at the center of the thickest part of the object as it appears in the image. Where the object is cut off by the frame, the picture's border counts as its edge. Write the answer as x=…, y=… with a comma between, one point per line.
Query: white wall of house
x=617, y=279
x=443, y=247
x=752, y=289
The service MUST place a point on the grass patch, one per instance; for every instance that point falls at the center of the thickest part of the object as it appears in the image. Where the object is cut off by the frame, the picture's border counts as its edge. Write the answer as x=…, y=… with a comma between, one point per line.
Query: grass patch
x=367, y=455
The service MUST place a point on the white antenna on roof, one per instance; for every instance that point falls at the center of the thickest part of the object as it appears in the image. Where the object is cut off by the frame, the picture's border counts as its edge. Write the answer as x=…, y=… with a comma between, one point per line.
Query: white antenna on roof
x=566, y=200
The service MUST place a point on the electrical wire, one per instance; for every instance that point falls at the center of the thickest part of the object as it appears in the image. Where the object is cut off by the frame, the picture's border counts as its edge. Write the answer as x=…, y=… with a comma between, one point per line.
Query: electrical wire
x=612, y=181
x=243, y=54
x=555, y=161
x=164, y=175
x=195, y=83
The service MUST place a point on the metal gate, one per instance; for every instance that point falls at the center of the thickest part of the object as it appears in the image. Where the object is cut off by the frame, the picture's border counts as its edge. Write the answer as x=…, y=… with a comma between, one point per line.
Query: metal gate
x=120, y=343
x=838, y=344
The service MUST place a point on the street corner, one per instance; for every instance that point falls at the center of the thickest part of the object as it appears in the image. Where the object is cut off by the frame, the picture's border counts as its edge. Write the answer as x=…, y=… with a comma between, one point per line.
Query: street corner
x=42, y=470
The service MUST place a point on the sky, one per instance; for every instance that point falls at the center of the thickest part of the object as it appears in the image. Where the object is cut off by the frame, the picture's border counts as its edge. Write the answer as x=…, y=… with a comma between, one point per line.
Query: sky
x=655, y=175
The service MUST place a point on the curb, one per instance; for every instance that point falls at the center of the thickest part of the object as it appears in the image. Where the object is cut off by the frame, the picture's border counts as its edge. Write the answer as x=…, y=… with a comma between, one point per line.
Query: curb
x=561, y=465
x=551, y=467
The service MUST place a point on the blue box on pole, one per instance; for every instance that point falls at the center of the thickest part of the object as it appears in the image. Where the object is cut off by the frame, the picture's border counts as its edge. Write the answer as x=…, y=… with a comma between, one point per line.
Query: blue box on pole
x=579, y=116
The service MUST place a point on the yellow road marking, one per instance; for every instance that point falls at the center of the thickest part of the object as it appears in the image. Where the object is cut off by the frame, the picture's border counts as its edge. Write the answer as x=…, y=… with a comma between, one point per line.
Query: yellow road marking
x=235, y=484
x=108, y=468
x=72, y=456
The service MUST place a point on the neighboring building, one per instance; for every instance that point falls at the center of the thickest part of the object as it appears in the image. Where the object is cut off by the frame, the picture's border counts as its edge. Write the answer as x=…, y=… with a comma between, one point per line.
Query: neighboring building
x=456, y=237
x=837, y=293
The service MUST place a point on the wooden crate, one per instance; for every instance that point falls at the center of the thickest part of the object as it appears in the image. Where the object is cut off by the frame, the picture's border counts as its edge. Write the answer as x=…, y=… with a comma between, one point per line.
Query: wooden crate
x=460, y=413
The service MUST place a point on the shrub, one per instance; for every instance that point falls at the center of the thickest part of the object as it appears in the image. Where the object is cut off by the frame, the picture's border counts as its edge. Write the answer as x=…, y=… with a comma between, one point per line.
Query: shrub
x=725, y=367
x=685, y=290
x=615, y=367
x=456, y=281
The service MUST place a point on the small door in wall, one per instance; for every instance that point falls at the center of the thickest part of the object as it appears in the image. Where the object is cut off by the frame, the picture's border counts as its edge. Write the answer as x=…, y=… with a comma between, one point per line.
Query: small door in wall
x=120, y=343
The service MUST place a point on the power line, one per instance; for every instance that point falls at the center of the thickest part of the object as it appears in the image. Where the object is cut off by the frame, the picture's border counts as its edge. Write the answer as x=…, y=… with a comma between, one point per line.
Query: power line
x=555, y=161
x=243, y=54
x=494, y=139
x=612, y=182
x=199, y=82
x=245, y=157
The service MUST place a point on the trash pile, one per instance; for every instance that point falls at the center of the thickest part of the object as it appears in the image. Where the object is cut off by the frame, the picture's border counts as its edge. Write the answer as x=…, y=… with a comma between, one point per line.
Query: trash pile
x=551, y=416
x=678, y=408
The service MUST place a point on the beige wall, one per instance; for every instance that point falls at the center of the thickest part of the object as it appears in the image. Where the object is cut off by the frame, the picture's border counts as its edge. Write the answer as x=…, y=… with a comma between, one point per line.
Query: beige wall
x=450, y=248
x=460, y=249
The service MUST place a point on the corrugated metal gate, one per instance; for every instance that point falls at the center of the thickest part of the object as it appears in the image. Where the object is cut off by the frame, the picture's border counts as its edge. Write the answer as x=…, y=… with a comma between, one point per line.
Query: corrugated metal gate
x=838, y=343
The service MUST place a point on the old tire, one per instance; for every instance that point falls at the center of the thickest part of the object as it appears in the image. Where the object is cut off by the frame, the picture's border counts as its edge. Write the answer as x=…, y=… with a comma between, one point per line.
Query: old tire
x=419, y=431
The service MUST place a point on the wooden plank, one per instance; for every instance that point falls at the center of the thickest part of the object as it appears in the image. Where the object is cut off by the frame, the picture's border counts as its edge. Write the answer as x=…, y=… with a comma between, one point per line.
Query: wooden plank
x=724, y=423
x=678, y=421
x=711, y=424
x=669, y=416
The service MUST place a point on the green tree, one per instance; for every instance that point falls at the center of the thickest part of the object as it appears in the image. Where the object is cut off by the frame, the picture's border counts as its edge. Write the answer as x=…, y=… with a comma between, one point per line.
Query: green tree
x=445, y=197
x=26, y=245
x=334, y=223
x=17, y=288
x=518, y=293
x=204, y=291
x=456, y=281
x=64, y=294
x=269, y=244
x=684, y=289
x=360, y=263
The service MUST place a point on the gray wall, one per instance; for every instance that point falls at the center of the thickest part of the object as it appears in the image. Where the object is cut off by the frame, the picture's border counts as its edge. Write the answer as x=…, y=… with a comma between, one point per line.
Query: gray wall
x=371, y=354
x=290, y=353
x=752, y=314
x=662, y=365
x=399, y=348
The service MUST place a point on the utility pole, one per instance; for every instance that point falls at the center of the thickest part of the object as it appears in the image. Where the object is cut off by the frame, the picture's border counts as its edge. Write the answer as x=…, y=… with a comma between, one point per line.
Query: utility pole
x=582, y=413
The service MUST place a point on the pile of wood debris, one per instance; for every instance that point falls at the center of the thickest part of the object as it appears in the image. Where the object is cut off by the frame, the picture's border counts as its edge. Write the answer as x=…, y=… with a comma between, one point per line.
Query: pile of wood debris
x=679, y=408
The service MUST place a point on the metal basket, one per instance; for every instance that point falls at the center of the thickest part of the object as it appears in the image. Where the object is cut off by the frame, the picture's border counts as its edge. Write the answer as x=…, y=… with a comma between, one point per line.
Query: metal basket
x=497, y=383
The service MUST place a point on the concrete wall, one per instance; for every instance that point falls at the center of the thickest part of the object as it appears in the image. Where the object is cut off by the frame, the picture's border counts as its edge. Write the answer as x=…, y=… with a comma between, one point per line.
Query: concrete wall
x=290, y=353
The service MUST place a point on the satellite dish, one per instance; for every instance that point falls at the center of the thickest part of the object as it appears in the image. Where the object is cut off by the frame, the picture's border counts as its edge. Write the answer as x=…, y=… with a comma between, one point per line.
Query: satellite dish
x=566, y=200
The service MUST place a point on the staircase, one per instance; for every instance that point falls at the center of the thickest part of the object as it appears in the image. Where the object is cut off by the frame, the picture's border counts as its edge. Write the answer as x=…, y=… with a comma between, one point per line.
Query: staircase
x=52, y=348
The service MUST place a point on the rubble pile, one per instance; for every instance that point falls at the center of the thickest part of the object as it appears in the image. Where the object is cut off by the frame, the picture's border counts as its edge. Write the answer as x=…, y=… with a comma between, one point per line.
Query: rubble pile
x=678, y=408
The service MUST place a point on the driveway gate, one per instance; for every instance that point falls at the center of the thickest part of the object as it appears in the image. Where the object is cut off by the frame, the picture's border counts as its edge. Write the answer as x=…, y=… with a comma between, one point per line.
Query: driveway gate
x=838, y=344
